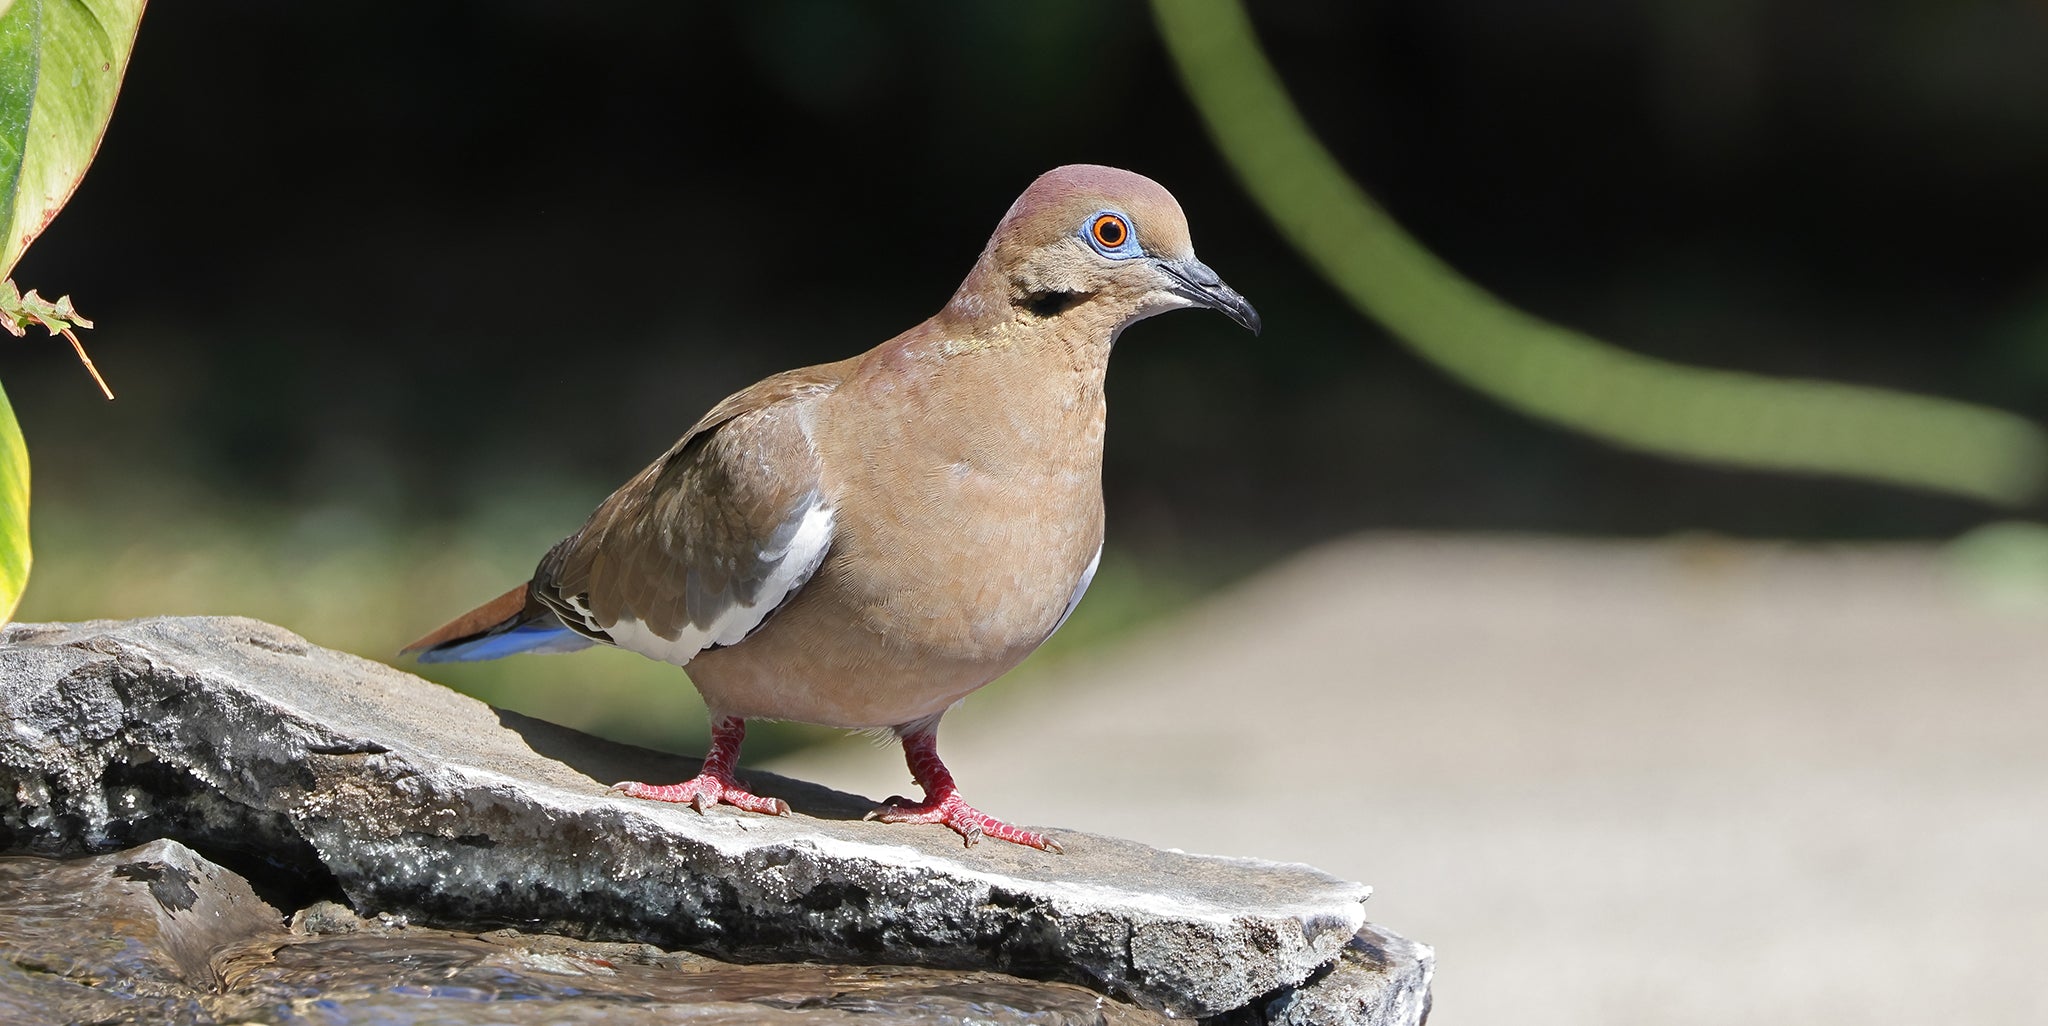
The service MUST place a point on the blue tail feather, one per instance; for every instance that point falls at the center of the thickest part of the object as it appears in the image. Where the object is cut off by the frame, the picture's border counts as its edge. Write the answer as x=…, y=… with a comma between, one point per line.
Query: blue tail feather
x=533, y=638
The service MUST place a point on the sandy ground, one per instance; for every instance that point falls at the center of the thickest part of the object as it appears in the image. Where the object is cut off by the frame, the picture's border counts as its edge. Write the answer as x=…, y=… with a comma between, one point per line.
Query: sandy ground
x=1682, y=782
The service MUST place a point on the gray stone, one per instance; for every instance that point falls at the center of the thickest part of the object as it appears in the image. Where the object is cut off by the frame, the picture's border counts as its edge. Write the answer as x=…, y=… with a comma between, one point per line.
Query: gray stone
x=130, y=937
x=235, y=734
x=1381, y=977
x=157, y=934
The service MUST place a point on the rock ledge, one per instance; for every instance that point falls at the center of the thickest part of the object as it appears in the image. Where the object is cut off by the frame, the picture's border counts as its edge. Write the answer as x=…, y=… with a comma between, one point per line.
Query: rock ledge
x=233, y=735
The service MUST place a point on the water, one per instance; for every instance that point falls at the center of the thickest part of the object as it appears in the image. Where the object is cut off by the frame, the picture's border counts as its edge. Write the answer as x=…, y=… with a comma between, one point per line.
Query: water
x=141, y=937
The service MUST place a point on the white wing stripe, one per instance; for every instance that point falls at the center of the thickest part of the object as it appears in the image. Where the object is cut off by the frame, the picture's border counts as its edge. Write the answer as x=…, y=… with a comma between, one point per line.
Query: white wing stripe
x=796, y=564
x=1079, y=590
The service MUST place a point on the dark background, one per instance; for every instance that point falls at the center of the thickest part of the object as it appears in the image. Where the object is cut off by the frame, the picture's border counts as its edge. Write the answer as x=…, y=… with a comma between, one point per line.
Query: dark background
x=411, y=258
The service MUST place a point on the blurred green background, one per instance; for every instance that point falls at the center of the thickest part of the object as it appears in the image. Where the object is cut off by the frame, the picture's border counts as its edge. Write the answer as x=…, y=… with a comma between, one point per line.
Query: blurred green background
x=393, y=294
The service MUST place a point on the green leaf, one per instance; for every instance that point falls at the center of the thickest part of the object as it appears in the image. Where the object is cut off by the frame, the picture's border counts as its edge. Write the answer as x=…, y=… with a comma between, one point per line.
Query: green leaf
x=61, y=63
x=14, y=551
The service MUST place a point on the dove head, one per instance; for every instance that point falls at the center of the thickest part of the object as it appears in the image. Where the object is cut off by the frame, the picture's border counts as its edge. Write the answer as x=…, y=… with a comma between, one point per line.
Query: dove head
x=1093, y=244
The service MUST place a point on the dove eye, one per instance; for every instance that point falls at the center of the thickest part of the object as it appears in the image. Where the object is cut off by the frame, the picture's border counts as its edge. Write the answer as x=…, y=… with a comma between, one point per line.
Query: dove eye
x=1110, y=231
x=1110, y=234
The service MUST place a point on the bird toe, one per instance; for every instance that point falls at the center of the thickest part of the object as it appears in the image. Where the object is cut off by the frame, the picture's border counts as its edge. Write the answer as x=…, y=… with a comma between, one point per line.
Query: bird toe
x=703, y=793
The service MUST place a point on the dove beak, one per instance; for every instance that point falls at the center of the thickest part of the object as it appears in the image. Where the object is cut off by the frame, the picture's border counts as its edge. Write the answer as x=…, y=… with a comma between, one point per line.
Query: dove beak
x=1193, y=281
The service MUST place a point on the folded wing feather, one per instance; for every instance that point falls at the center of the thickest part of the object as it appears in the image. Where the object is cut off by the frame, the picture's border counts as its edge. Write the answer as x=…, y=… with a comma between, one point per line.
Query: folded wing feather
x=701, y=548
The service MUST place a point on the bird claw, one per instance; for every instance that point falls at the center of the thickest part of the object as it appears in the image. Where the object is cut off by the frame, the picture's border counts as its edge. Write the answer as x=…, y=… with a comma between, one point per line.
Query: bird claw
x=894, y=801
x=703, y=792
x=970, y=823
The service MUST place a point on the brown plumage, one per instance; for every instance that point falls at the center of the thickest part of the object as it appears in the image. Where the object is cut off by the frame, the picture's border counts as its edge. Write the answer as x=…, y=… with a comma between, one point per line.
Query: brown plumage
x=863, y=543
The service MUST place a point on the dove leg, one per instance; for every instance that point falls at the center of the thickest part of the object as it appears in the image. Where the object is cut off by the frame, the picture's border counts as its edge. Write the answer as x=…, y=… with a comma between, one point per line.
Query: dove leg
x=942, y=803
x=716, y=784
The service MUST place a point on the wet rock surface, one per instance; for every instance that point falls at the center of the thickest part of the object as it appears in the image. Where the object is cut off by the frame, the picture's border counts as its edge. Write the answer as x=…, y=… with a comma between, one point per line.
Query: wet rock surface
x=158, y=934
x=315, y=771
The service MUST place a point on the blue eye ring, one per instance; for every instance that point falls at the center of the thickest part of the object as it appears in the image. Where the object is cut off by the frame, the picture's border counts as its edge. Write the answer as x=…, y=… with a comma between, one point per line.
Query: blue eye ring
x=1111, y=234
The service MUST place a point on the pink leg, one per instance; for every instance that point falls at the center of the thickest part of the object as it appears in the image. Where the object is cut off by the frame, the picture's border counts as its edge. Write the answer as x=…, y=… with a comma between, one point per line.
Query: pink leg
x=716, y=784
x=942, y=802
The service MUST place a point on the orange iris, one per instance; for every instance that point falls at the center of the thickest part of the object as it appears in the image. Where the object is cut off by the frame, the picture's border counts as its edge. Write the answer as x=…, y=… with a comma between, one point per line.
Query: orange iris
x=1110, y=231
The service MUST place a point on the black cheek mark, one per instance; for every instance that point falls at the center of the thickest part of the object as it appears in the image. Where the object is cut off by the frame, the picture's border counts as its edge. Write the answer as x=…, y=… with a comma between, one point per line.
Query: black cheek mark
x=1052, y=304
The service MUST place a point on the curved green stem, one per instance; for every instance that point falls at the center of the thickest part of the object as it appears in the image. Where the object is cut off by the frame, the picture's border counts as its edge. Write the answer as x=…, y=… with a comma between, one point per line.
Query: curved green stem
x=1550, y=371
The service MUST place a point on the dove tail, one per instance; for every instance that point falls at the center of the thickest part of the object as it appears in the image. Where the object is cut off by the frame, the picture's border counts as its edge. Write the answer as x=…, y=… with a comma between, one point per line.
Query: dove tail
x=501, y=627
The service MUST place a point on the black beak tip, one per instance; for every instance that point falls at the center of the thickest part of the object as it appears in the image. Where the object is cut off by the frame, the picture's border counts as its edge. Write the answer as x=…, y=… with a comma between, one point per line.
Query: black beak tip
x=1227, y=302
x=1194, y=281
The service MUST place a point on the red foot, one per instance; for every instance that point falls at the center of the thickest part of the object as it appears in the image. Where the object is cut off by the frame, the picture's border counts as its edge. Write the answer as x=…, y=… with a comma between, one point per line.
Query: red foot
x=970, y=823
x=714, y=786
x=704, y=791
x=942, y=802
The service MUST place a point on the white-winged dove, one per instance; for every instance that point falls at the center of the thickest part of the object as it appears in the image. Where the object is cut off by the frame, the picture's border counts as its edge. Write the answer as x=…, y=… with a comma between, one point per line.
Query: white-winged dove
x=862, y=544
